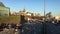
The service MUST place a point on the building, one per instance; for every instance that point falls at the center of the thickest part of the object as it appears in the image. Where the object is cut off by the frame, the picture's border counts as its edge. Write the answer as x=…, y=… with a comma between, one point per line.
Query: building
x=4, y=11
x=29, y=14
x=36, y=14
x=57, y=17
x=22, y=12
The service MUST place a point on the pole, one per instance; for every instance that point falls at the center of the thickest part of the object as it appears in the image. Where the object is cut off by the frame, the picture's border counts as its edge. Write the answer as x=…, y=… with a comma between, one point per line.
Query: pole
x=22, y=21
x=44, y=18
x=44, y=8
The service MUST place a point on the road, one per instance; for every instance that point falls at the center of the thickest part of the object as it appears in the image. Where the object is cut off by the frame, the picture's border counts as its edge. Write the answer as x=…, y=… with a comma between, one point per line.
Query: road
x=35, y=27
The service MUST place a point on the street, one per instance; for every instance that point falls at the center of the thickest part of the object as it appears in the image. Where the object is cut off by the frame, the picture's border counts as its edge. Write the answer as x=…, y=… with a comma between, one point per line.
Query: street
x=35, y=27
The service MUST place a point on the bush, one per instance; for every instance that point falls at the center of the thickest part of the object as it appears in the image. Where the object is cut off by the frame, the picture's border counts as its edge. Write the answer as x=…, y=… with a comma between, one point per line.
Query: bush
x=7, y=19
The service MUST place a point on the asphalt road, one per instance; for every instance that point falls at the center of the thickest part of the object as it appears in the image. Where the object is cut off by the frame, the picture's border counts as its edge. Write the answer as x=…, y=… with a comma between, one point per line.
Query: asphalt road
x=33, y=27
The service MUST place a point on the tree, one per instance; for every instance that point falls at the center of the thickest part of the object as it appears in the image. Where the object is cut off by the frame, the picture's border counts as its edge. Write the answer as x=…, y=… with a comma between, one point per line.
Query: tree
x=49, y=14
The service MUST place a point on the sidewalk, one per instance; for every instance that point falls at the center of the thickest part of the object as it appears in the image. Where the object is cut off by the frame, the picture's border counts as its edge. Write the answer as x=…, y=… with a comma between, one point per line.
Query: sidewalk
x=8, y=31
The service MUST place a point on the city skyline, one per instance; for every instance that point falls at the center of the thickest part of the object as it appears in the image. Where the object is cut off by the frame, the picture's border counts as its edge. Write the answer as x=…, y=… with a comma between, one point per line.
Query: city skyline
x=34, y=6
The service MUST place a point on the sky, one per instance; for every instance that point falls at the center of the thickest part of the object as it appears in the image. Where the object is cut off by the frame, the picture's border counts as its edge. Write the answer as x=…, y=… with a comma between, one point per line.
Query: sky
x=34, y=6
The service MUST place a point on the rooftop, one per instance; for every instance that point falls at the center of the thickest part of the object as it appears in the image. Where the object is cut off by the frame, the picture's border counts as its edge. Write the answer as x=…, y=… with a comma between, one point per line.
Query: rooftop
x=1, y=4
